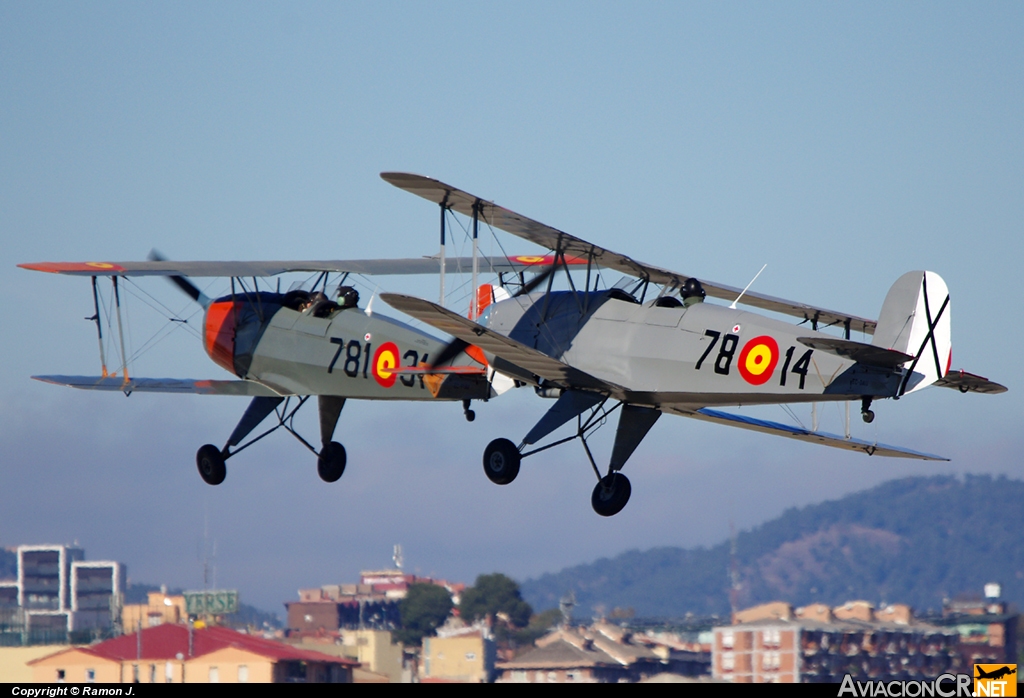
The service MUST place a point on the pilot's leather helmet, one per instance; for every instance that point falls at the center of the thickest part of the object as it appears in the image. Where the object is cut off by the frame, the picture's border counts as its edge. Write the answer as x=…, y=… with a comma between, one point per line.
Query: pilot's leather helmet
x=692, y=288
x=348, y=297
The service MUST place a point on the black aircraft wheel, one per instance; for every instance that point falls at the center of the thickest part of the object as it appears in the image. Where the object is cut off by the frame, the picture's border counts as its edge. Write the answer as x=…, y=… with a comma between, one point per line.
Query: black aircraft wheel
x=330, y=464
x=868, y=416
x=210, y=462
x=501, y=461
x=611, y=494
x=470, y=415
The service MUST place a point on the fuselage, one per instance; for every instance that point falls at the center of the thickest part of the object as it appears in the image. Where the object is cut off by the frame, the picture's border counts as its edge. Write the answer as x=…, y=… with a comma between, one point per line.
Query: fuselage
x=271, y=339
x=663, y=354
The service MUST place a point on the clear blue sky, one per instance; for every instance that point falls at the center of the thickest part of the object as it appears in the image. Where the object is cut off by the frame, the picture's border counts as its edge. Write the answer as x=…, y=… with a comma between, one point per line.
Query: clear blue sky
x=840, y=144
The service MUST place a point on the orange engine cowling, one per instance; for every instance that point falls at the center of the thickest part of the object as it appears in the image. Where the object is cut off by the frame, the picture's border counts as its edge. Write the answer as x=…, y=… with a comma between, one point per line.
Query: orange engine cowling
x=219, y=333
x=484, y=297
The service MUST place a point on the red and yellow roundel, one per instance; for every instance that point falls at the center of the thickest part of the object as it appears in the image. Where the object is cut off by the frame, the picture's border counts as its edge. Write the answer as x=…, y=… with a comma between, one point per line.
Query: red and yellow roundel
x=384, y=359
x=758, y=359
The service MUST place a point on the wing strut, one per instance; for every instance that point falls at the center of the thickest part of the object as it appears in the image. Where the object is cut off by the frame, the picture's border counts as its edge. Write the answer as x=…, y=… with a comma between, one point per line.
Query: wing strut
x=444, y=210
x=99, y=326
x=474, y=304
x=120, y=331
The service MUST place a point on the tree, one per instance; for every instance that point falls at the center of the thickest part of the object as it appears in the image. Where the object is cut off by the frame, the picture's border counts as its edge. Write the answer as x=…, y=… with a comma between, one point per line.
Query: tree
x=494, y=594
x=540, y=624
x=424, y=608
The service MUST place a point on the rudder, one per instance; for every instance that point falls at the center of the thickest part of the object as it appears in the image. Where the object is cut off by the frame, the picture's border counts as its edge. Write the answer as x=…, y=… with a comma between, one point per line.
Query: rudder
x=915, y=320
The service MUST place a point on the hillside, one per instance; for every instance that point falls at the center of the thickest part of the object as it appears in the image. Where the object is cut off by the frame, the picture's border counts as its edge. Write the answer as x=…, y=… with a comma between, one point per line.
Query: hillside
x=915, y=541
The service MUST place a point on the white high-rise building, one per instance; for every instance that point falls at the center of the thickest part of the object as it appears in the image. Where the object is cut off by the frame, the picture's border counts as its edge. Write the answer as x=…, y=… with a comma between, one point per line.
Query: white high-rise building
x=97, y=589
x=44, y=585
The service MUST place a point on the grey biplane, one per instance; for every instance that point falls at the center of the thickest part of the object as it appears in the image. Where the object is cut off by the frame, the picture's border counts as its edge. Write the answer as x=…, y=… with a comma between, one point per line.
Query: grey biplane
x=645, y=353
x=302, y=343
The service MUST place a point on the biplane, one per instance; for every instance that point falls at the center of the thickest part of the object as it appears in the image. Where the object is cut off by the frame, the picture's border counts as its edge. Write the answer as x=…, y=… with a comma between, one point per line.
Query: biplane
x=305, y=342
x=653, y=346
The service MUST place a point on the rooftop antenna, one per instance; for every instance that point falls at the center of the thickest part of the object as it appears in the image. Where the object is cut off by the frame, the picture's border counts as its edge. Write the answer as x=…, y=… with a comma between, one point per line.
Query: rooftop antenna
x=206, y=552
x=396, y=556
x=734, y=573
x=565, y=605
x=733, y=306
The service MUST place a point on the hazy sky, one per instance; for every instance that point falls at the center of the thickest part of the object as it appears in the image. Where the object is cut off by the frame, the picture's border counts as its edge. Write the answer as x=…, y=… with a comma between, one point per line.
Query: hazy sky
x=840, y=144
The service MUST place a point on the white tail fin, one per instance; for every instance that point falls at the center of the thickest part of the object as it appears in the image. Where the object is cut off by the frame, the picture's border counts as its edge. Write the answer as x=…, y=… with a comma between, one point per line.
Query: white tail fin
x=915, y=321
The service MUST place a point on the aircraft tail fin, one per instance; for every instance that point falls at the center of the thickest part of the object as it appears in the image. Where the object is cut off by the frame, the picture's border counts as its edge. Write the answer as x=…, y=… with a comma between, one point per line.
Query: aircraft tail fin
x=485, y=295
x=915, y=320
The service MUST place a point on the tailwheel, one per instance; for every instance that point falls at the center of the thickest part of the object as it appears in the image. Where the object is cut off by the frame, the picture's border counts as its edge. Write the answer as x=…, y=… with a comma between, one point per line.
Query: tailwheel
x=501, y=461
x=330, y=464
x=210, y=462
x=611, y=494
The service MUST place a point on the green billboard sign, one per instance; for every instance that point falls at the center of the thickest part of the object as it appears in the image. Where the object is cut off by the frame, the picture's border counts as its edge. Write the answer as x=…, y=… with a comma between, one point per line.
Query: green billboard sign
x=215, y=602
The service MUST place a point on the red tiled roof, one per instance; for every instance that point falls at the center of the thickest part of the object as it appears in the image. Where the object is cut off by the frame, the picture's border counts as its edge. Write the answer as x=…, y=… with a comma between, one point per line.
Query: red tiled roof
x=165, y=642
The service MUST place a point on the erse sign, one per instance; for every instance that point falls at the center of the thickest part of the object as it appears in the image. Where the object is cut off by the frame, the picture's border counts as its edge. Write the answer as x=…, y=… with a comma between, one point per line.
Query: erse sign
x=215, y=602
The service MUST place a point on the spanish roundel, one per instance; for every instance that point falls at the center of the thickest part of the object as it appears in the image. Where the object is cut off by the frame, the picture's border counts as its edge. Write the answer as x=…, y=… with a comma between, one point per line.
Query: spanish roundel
x=758, y=359
x=384, y=359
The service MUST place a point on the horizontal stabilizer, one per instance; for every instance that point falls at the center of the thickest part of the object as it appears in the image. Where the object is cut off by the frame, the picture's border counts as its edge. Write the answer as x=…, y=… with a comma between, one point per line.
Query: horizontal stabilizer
x=858, y=351
x=801, y=434
x=516, y=353
x=160, y=385
x=370, y=267
x=970, y=383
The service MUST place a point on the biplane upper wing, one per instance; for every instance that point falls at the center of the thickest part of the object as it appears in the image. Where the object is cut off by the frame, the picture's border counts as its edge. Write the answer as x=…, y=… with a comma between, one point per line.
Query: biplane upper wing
x=801, y=434
x=160, y=385
x=517, y=353
x=554, y=239
x=378, y=267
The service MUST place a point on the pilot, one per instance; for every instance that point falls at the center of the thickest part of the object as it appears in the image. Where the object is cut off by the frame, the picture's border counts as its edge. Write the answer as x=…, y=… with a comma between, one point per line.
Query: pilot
x=348, y=297
x=692, y=292
x=314, y=300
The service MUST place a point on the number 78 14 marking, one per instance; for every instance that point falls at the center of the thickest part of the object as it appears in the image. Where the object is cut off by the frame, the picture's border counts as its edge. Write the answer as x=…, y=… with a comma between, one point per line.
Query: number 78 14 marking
x=761, y=346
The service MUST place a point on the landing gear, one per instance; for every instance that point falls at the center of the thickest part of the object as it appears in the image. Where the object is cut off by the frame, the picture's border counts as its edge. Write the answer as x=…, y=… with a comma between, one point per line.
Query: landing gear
x=331, y=459
x=502, y=457
x=611, y=494
x=469, y=414
x=865, y=410
x=330, y=464
x=210, y=462
x=501, y=461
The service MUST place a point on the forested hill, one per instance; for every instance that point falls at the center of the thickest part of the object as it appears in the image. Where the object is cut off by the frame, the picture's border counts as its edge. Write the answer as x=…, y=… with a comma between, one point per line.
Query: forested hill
x=914, y=541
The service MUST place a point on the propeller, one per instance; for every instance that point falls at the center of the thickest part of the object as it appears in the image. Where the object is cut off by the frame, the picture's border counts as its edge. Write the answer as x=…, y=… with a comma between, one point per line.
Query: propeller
x=182, y=282
x=458, y=346
x=536, y=281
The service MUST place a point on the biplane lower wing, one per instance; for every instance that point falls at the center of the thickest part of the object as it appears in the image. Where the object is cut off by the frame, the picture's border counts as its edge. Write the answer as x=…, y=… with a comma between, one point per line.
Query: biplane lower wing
x=801, y=434
x=161, y=385
x=517, y=353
